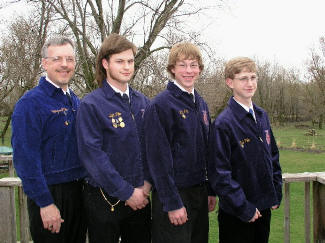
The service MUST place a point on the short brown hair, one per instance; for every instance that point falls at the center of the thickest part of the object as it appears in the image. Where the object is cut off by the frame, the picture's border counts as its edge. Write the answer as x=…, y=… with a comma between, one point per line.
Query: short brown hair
x=112, y=44
x=238, y=64
x=181, y=51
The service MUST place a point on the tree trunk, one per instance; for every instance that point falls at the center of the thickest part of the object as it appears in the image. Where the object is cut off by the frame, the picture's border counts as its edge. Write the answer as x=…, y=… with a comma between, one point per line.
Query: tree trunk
x=320, y=122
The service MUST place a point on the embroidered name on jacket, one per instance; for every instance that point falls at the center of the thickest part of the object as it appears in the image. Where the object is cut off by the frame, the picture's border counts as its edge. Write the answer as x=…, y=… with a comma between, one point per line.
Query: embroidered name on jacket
x=245, y=140
x=117, y=120
x=183, y=113
x=64, y=110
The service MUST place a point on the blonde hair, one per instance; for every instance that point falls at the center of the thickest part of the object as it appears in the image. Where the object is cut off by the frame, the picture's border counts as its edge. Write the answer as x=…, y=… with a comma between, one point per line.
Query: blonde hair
x=237, y=65
x=181, y=51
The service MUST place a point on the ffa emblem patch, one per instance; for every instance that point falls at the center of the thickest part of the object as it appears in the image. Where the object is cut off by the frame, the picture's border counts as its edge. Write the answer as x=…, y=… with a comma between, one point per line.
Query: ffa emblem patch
x=242, y=142
x=183, y=113
x=205, y=118
x=267, y=136
x=117, y=120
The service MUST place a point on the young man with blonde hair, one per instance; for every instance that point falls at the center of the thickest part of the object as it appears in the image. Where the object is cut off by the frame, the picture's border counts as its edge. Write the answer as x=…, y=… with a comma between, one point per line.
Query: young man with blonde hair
x=244, y=167
x=176, y=134
x=110, y=139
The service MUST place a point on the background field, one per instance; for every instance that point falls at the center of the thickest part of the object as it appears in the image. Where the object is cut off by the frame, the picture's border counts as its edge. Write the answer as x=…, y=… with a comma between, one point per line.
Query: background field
x=298, y=153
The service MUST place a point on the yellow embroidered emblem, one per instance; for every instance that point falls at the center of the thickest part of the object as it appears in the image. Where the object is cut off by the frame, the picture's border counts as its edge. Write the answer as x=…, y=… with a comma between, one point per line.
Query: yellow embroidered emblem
x=117, y=120
x=245, y=140
x=183, y=113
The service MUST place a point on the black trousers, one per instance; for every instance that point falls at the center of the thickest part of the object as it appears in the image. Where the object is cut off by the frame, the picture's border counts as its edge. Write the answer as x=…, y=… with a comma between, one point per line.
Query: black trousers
x=233, y=230
x=195, y=230
x=106, y=226
x=68, y=198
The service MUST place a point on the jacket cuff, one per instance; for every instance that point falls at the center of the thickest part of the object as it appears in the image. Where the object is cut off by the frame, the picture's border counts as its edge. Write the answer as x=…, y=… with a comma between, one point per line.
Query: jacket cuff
x=124, y=193
x=43, y=199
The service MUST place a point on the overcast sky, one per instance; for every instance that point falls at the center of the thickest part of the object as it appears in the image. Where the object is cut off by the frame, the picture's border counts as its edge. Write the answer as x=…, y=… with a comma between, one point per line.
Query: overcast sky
x=280, y=31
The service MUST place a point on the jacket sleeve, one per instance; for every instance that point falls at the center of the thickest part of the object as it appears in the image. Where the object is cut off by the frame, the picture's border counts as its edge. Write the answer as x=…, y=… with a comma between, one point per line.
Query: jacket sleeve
x=220, y=177
x=26, y=142
x=95, y=160
x=160, y=160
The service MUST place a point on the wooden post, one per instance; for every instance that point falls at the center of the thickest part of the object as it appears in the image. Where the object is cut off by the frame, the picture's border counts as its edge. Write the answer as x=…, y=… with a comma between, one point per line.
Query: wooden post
x=319, y=211
x=23, y=216
x=8, y=215
x=286, y=212
x=307, y=212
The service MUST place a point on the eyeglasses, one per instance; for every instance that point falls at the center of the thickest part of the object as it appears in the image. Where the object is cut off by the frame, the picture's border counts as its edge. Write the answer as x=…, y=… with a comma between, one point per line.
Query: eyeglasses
x=191, y=66
x=59, y=59
x=245, y=79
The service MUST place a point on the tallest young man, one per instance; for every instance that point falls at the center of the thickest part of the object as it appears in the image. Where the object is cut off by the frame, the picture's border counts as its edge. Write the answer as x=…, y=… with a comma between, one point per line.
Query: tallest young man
x=176, y=132
x=109, y=125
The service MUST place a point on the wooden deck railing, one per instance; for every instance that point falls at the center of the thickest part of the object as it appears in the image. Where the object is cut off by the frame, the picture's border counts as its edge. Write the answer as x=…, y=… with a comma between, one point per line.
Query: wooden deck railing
x=8, y=208
x=318, y=181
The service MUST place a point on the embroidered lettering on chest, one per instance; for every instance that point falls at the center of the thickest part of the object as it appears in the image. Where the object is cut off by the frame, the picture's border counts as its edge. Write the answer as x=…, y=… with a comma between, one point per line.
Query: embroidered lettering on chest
x=244, y=141
x=117, y=120
x=64, y=110
x=183, y=113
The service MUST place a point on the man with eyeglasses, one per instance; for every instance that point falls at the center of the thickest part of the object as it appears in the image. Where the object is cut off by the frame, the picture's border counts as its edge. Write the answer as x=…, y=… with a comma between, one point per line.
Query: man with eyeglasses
x=244, y=168
x=45, y=149
x=176, y=134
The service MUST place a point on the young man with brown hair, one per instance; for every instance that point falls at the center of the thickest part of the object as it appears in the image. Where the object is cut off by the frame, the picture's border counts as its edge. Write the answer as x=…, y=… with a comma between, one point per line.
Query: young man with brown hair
x=176, y=134
x=244, y=167
x=109, y=128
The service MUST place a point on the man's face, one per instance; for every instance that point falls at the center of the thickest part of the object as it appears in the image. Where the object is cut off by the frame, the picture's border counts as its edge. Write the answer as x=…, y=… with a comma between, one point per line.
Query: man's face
x=243, y=85
x=60, y=64
x=119, y=67
x=186, y=73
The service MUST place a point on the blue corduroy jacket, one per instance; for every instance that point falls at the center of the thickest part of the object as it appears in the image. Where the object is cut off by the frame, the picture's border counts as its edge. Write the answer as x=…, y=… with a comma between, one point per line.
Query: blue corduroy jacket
x=110, y=134
x=176, y=134
x=244, y=168
x=44, y=141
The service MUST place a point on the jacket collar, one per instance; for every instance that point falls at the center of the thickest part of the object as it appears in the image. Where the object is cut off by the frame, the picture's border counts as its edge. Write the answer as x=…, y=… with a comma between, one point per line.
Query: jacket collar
x=49, y=88
x=177, y=92
x=240, y=112
x=110, y=93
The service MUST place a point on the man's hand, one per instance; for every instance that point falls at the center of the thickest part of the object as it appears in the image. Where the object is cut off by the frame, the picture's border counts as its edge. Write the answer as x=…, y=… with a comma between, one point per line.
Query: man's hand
x=256, y=216
x=275, y=207
x=212, y=201
x=138, y=199
x=51, y=218
x=146, y=188
x=178, y=216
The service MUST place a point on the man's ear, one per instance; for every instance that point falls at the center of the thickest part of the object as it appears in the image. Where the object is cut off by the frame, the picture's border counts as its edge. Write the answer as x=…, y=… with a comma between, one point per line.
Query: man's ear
x=229, y=82
x=105, y=63
x=44, y=64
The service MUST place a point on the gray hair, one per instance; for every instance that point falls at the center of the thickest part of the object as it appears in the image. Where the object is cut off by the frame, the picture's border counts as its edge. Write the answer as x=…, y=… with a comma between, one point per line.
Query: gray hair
x=55, y=41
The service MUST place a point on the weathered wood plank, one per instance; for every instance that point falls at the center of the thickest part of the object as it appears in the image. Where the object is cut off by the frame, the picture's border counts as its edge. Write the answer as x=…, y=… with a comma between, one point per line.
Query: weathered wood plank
x=286, y=212
x=307, y=212
x=8, y=215
x=23, y=216
x=319, y=211
x=10, y=182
